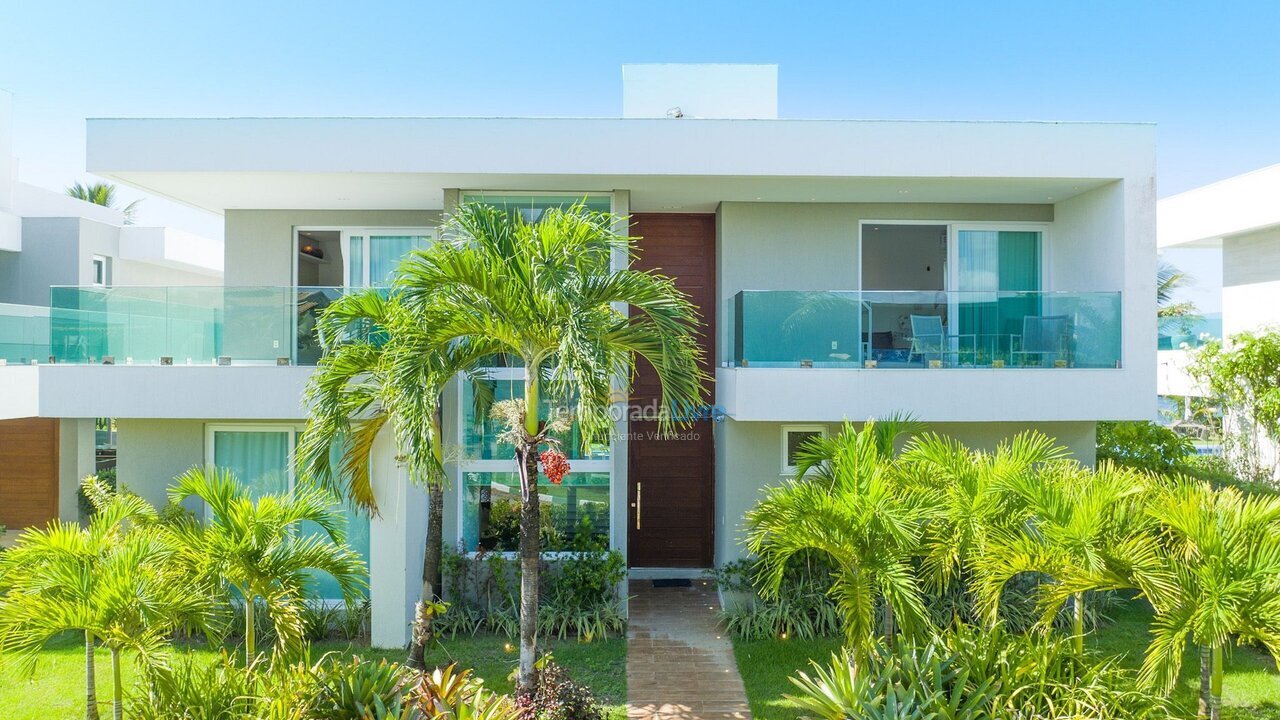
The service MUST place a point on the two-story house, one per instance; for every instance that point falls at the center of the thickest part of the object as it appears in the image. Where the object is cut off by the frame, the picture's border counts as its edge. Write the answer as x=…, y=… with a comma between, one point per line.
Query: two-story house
x=985, y=277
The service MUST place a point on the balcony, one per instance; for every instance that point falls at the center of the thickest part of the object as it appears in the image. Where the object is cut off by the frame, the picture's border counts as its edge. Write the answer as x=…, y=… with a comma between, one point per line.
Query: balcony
x=875, y=330
x=24, y=334
x=185, y=325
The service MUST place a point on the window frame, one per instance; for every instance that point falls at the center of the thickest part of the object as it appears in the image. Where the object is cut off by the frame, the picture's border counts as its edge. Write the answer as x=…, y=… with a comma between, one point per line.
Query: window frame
x=822, y=430
x=101, y=271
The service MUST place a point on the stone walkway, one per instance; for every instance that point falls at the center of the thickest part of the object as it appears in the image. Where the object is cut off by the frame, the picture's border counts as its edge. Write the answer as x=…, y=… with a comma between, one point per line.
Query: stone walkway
x=680, y=663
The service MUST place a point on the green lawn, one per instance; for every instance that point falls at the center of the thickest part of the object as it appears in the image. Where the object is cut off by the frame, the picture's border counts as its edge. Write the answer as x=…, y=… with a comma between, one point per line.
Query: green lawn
x=1251, y=686
x=57, y=689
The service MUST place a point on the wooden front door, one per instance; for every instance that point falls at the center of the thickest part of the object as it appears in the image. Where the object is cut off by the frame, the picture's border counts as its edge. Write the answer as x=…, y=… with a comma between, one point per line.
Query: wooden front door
x=671, y=481
x=28, y=472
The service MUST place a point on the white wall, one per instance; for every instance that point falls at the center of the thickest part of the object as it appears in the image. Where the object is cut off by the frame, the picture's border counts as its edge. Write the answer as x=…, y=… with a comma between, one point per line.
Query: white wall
x=76, y=460
x=1250, y=281
x=151, y=453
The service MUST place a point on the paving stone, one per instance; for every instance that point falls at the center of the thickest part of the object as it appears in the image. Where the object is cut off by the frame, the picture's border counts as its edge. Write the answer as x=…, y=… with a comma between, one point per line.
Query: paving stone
x=680, y=663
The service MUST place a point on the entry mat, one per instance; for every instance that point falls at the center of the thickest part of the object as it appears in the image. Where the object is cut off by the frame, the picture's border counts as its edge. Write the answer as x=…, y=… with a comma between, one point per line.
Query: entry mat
x=673, y=582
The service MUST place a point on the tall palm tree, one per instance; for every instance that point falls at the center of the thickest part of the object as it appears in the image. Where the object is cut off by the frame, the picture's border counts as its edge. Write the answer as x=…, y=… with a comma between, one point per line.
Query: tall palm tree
x=367, y=379
x=103, y=194
x=258, y=549
x=548, y=294
x=114, y=580
x=1087, y=530
x=848, y=501
x=1223, y=550
x=969, y=491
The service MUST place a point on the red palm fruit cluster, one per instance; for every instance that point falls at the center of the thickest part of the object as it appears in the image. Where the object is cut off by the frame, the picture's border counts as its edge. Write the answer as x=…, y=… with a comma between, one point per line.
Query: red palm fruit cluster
x=554, y=465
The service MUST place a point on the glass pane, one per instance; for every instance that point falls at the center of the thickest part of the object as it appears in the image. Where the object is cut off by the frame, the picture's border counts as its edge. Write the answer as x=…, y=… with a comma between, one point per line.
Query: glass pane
x=481, y=431
x=575, y=514
x=386, y=252
x=260, y=460
x=796, y=439
x=357, y=527
x=531, y=207
x=355, y=263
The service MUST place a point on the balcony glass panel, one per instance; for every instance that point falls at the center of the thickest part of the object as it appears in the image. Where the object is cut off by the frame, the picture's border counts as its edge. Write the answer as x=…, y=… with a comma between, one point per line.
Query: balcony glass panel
x=911, y=329
x=191, y=325
x=24, y=333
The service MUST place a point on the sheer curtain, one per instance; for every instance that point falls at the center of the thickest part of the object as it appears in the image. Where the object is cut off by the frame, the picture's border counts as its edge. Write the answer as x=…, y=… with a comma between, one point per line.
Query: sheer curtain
x=386, y=252
x=260, y=460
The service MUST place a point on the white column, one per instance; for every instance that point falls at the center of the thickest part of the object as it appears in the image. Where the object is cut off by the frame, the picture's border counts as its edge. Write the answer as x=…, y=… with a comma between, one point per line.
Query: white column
x=76, y=459
x=395, y=547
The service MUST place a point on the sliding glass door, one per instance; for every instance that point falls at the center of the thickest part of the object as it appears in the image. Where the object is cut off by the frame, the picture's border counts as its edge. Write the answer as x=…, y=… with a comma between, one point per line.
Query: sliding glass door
x=373, y=255
x=993, y=268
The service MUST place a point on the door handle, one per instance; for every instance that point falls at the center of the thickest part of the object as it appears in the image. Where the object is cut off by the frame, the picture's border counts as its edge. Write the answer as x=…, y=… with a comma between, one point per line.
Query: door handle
x=636, y=505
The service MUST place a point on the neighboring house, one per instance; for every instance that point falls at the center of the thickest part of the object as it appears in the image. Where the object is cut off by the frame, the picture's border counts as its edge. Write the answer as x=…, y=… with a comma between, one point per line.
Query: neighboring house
x=1240, y=216
x=827, y=257
x=60, y=251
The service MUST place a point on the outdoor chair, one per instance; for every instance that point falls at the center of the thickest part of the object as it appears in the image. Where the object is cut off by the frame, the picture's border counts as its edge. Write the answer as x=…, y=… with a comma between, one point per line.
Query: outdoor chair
x=1046, y=338
x=930, y=341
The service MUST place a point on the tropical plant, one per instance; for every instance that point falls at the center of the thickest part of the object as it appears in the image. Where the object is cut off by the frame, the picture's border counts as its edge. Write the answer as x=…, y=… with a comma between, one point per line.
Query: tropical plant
x=260, y=550
x=451, y=693
x=1087, y=530
x=557, y=697
x=115, y=580
x=382, y=366
x=1169, y=280
x=1245, y=377
x=855, y=509
x=970, y=674
x=1223, y=553
x=969, y=493
x=103, y=194
x=1143, y=445
x=549, y=295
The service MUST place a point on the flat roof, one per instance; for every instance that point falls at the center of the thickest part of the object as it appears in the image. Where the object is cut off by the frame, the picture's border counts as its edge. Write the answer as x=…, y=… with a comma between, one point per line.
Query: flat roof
x=1202, y=217
x=403, y=163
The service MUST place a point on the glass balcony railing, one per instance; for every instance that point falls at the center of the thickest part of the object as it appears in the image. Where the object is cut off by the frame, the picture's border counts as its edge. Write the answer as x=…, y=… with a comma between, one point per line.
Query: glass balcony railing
x=910, y=329
x=24, y=334
x=185, y=325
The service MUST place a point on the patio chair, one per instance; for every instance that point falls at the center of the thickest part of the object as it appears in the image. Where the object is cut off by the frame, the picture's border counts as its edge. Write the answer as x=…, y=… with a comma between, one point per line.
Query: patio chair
x=1046, y=337
x=930, y=341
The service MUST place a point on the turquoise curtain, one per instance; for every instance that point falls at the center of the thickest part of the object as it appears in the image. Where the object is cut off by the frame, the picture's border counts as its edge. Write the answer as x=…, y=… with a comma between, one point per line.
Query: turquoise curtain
x=355, y=264
x=260, y=460
x=992, y=265
x=386, y=252
x=357, y=524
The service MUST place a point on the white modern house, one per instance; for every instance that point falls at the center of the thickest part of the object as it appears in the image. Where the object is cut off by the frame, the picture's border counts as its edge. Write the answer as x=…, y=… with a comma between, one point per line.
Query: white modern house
x=52, y=246
x=1241, y=217
x=985, y=277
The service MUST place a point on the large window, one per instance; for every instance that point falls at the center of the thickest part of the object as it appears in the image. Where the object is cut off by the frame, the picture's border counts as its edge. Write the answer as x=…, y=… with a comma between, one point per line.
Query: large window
x=575, y=514
x=261, y=456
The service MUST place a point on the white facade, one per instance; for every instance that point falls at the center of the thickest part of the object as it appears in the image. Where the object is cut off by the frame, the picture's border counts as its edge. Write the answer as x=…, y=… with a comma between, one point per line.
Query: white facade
x=793, y=203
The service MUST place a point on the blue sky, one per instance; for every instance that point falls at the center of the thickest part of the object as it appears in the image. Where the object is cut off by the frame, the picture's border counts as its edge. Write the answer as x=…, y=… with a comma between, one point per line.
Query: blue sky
x=1207, y=73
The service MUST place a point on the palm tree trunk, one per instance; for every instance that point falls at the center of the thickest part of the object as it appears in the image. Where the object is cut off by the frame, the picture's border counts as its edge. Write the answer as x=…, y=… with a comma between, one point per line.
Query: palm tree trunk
x=530, y=540
x=890, y=625
x=249, y=630
x=91, y=688
x=1206, y=668
x=1215, y=685
x=117, y=686
x=1078, y=601
x=430, y=573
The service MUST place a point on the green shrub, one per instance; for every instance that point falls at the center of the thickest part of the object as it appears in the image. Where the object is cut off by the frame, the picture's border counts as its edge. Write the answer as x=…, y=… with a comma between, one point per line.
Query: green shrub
x=556, y=697
x=1143, y=445
x=971, y=674
x=358, y=690
x=579, y=595
x=189, y=689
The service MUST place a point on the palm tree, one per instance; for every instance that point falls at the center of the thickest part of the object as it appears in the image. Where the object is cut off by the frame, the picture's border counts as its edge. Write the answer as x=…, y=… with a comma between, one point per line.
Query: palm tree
x=365, y=381
x=1169, y=279
x=548, y=294
x=259, y=549
x=1223, y=550
x=1087, y=530
x=103, y=194
x=856, y=509
x=114, y=580
x=969, y=492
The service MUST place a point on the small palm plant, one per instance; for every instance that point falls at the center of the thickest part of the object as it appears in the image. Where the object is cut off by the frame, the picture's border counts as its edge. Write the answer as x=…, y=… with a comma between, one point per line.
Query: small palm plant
x=1223, y=550
x=855, y=508
x=259, y=549
x=969, y=491
x=382, y=369
x=115, y=580
x=103, y=194
x=549, y=294
x=1087, y=530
